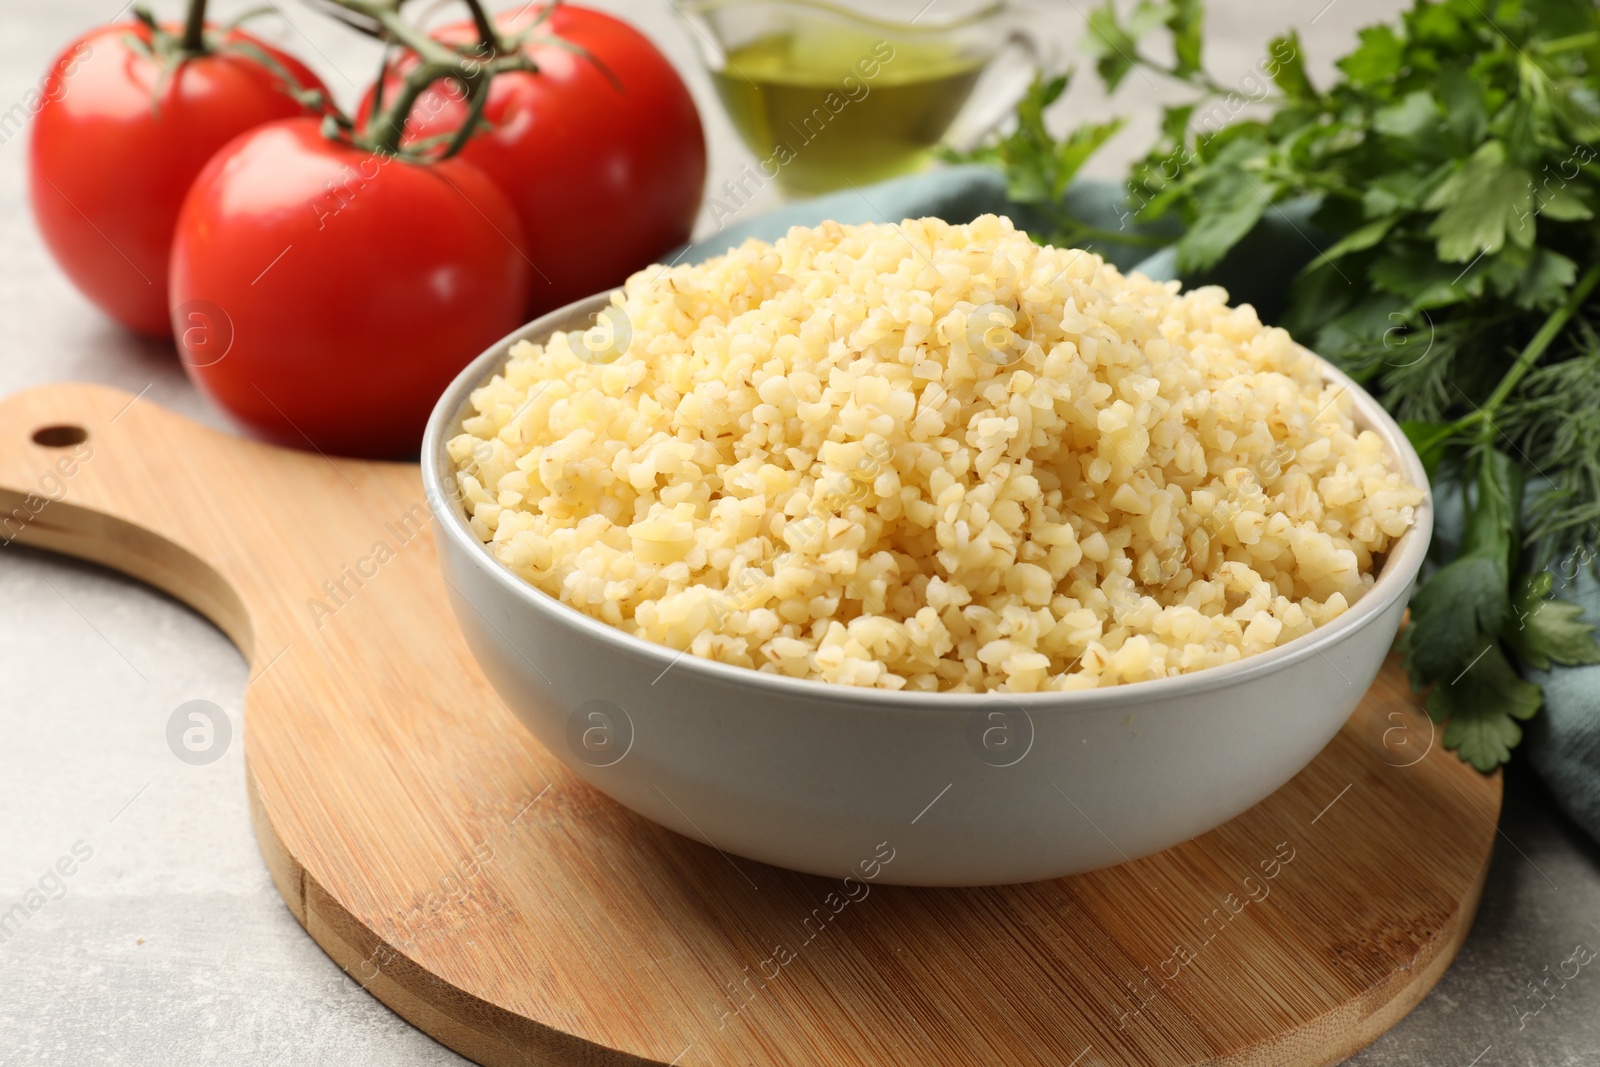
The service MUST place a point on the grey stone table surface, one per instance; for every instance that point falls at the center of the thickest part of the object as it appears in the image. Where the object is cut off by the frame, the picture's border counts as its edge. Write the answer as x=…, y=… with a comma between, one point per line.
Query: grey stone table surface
x=167, y=944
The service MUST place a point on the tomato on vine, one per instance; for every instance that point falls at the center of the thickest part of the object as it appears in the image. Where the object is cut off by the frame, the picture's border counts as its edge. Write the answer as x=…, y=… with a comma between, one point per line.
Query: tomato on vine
x=131, y=112
x=598, y=144
x=328, y=281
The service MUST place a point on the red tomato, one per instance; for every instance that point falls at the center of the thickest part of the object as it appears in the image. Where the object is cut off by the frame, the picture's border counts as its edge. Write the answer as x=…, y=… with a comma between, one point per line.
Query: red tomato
x=115, y=147
x=325, y=296
x=605, y=180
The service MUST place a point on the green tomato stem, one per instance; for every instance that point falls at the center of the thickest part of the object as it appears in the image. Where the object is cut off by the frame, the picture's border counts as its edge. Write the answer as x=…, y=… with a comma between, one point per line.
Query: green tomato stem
x=194, y=29
x=437, y=61
x=485, y=26
x=477, y=96
x=388, y=128
x=387, y=15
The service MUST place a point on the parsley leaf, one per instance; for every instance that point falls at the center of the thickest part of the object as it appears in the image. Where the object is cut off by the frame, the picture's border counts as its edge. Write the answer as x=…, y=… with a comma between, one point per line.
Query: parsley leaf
x=1286, y=66
x=1184, y=22
x=1466, y=602
x=1562, y=202
x=1378, y=58
x=1415, y=113
x=1545, y=280
x=1482, y=705
x=1483, y=202
x=1413, y=273
x=1361, y=239
x=1229, y=203
x=1115, y=43
x=1466, y=113
x=1548, y=630
x=1451, y=613
x=1430, y=440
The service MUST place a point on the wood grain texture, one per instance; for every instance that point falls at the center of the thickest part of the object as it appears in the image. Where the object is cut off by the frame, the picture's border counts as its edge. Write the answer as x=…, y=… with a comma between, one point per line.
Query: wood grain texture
x=461, y=874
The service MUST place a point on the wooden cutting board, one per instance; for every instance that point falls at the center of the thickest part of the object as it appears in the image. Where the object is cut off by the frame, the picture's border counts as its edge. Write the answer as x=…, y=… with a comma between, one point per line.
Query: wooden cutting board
x=461, y=874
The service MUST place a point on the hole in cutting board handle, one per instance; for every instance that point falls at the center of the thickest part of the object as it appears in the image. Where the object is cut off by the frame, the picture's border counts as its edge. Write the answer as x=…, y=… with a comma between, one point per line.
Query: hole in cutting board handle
x=60, y=436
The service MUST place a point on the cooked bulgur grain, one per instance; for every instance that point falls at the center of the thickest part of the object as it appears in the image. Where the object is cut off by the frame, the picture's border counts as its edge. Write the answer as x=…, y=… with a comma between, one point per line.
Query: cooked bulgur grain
x=929, y=456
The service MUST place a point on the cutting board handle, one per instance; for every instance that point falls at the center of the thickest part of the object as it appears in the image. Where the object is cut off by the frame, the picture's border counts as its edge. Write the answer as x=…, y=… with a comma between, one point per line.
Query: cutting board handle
x=111, y=477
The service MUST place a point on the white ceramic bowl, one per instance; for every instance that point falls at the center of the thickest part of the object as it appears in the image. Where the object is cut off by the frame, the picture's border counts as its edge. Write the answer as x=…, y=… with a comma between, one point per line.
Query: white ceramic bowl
x=967, y=789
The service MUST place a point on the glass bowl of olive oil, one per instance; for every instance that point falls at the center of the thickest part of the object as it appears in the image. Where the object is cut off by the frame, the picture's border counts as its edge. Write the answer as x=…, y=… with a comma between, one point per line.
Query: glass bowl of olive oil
x=827, y=96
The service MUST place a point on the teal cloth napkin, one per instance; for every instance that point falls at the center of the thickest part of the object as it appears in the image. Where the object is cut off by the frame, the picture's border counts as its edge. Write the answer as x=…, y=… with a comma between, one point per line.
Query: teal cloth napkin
x=1563, y=742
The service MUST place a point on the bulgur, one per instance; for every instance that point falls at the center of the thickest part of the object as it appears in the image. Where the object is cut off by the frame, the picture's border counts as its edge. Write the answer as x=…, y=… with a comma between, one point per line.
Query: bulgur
x=931, y=457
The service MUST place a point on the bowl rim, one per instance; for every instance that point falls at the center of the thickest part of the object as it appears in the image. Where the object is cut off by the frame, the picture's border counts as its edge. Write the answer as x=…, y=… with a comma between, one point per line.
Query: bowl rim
x=1401, y=566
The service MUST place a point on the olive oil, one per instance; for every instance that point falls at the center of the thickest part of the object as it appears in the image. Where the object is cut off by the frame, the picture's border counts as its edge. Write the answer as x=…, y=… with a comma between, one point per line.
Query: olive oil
x=822, y=109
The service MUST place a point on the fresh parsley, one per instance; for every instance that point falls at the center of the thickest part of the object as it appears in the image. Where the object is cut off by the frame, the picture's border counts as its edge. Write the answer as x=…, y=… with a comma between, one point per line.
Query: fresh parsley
x=1455, y=161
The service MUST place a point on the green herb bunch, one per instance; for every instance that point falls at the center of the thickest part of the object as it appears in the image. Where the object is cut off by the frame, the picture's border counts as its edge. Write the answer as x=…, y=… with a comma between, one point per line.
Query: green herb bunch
x=1454, y=166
